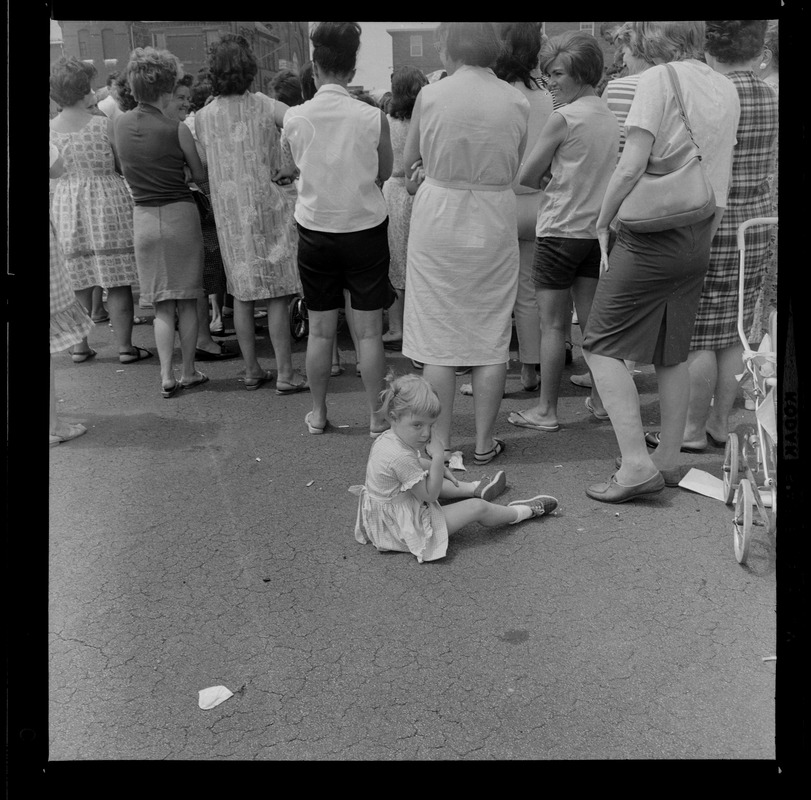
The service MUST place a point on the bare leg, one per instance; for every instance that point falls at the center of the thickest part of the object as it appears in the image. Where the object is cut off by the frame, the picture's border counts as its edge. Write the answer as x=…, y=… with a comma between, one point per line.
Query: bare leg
x=488, y=389
x=187, y=324
x=246, y=336
x=122, y=313
x=395, y=331
x=621, y=401
x=490, y=515
x=164, y=327
x=451, y=491
x=350, y=323
x=281, y=339
x=730, y=364
x=527, y=316
x=674, y=397
x=216, y=301
x=583, y=293
x=443, y=381
x=97, y=310
x=372, y=359
x=84, y=296
x=52, y=405
x=319, y=351
x=703, y=372
x=204, y=340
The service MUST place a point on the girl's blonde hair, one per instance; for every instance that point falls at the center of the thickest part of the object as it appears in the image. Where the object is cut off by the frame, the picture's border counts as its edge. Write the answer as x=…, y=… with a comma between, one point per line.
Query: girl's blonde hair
x=409, y=394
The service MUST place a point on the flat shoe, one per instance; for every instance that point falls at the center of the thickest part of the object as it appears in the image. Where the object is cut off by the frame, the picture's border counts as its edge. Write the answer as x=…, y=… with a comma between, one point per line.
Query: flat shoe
x=716, y=442
x=672, y=476
x=480, y=459
x=196, y=382
x=613, y=492
x=652, y=441
x=335, y=370
x=167, y=393
x=540, y=505
x=283, y=387
x=531, y=388
x=255, y=383
x=139, y=355
x=223, y=355
x=417, y=364
x=314, y=428
x=79, y=358
x=590, y=407
x=583, y=380
x=99, y=320
x=74, y=429
x=520, y=421
x=490, y=488
x=463, y=370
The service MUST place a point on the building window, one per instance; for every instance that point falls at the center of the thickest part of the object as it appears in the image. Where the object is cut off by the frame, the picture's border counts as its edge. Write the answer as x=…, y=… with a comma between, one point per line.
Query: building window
x=159, y=40
x=212, y=37
x=416, y=46
x=588, y=27
x=108, y=43
x=84, y=43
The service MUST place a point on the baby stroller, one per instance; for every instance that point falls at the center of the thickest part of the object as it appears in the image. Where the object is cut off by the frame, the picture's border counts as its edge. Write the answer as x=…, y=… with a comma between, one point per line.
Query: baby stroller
x=750, y=478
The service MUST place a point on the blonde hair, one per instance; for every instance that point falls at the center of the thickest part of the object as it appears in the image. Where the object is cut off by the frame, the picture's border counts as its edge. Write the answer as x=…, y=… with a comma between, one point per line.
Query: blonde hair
x=668, y=40
x=152, y=72
x=409, y=394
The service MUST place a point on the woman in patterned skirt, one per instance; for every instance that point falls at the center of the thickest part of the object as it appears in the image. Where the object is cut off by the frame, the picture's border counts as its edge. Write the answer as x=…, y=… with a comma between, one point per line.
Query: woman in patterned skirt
x=92, y=207
x=733, y=48
x=70, y=323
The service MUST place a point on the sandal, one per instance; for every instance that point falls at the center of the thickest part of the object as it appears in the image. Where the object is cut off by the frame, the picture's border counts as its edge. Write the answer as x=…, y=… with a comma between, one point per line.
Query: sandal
x=568, y=358
x=139, y=355
x=79, y=358
x=199, y=379
x=255, y=383
x=171, y=391
x=480, y=459
x=335, y=370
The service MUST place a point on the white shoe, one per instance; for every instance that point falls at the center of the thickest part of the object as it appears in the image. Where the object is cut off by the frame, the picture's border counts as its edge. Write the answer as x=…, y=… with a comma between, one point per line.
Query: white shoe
x=541, y=504
x=583, y=380
x=490, y=488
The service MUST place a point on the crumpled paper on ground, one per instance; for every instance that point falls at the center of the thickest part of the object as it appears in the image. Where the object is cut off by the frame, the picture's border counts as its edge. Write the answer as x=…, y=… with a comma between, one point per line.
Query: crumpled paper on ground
x=213, y=696
x=455, y=461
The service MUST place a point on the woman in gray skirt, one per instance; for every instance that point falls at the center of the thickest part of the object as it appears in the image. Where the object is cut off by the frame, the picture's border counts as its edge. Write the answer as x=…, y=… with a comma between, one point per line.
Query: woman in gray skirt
x=154, y=152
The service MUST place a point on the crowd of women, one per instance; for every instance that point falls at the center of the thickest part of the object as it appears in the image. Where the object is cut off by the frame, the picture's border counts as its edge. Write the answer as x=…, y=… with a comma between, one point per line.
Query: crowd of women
x=485, y=199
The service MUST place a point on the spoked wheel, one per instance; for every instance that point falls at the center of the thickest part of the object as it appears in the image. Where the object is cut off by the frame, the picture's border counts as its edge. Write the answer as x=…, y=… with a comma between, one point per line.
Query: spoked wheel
x=732, y=462
x=742, y=521
x=773, y=517
x=299, y=322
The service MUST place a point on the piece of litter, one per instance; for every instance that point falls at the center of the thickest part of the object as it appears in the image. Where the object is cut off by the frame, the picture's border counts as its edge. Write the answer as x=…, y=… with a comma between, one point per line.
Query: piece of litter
x=119, y=370
x=769, y=658
x=617, y=513
x=310, y=483
x=343, y=426
x=213, y=696
x=557, y=466
x=580, y=530
x=258, y=459
x=455, y=461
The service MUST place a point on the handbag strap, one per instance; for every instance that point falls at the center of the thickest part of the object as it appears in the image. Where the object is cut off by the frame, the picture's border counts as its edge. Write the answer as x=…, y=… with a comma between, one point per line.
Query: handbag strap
x=674, y=81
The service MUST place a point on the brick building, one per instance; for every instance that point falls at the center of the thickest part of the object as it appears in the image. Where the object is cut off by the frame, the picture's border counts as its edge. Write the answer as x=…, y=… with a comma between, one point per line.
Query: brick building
x=277, y=45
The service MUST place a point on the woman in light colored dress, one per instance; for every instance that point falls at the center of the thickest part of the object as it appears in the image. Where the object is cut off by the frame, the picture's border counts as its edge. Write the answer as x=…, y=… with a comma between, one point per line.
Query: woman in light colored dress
x=92, y=207
x=239, y=131
x=406, y=83
x=70, y=323
x=469, y=130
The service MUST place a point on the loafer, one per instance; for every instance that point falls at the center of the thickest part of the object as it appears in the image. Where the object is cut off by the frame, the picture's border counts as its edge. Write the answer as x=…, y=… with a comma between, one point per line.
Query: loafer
x=613, y=492
x=671, y=476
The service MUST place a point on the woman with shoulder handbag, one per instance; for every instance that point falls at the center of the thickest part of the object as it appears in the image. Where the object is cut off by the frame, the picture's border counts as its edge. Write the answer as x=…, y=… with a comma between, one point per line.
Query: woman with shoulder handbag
x=680, y=128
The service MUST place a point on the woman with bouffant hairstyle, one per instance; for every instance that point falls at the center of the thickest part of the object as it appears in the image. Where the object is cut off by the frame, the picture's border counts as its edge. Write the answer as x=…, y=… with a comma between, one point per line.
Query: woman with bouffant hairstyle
x=92, y=208
x=406, y=83
x=157, y=153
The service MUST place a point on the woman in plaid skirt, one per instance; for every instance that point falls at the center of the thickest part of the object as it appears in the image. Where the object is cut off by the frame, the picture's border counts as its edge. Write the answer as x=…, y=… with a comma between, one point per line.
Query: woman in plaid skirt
x=733, y=48
x=70, y=323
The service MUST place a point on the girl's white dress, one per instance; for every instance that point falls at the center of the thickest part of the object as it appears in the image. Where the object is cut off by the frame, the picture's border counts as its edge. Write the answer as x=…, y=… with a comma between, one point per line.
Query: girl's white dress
x=389, y=515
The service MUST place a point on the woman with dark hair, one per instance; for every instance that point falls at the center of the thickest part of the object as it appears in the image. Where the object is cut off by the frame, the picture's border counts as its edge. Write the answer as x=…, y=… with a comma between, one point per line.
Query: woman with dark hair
x=646, y=300
x=733, y=48
x=341, y=148
x=518, y=65
x=92, y=207
x=572, y=162
x=406, y=83
x=239, y=131
x=469, y=131
x=156, y=153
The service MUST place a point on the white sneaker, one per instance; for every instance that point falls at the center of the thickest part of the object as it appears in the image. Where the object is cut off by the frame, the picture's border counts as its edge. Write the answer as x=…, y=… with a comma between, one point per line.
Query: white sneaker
x=490, y=488
x=541, y=504
x=583, y=380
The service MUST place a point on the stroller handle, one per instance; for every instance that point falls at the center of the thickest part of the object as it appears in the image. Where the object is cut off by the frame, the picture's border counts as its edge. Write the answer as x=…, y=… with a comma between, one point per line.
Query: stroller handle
x=742, y=228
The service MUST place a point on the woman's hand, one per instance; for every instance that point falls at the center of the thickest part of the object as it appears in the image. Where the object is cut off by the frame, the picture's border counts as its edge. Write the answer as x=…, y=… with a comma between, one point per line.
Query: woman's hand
x=417, y=172
x=435, y=447
x=603, y=235
x=285, y=175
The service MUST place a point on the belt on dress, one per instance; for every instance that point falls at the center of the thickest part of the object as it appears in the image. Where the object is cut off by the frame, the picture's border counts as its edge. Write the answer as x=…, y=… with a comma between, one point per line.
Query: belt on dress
x=473, y=187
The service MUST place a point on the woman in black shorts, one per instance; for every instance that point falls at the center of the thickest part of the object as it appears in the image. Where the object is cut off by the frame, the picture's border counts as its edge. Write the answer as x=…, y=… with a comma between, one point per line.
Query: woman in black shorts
x=343, y=153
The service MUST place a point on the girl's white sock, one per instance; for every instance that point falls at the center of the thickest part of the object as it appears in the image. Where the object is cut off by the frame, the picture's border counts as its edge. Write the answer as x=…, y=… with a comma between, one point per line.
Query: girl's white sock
x=524, y=512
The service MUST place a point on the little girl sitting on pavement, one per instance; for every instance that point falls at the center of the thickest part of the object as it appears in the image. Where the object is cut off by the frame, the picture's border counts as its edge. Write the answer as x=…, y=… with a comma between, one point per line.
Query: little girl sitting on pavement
x=398, y=507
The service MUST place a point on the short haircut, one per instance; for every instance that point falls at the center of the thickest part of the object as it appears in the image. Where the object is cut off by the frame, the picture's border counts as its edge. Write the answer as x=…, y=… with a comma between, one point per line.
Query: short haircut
x=409, y=394
x=732, y=41
x=335, y=46
x=668, y=40
x=232, y=65
x=286, y=86
x=473, y=43
x=123, y=93
x=200, y=91
x=579, y=53
x=519, y=56
x=305, y=74
x=406, y=82
x=152, y=72
x=184, y=80
x=71, y=80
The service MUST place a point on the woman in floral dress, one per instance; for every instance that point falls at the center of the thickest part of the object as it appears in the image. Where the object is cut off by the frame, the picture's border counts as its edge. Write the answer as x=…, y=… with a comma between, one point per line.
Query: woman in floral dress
x=92, y=207
x=239, y=131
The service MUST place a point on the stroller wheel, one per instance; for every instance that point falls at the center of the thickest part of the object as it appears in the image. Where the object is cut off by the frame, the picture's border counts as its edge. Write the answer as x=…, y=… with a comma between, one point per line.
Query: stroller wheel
x=732, y=460
x=742, y=521
x=299, y=323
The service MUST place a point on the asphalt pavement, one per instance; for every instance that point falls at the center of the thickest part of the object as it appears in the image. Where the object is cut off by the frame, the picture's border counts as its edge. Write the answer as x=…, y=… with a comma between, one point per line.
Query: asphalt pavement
x=208, y=540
